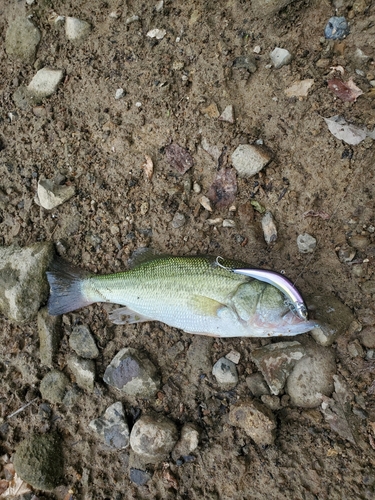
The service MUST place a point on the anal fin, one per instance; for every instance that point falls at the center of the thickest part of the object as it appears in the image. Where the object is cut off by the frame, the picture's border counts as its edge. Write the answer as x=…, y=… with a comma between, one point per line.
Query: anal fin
x=125, y=316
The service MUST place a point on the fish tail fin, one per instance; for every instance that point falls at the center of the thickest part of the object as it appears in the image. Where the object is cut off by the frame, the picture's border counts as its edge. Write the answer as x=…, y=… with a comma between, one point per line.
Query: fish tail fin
x=66, y=287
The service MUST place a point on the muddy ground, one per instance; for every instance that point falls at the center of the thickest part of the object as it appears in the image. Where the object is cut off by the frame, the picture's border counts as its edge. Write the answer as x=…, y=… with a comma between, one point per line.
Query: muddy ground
x=99, y=144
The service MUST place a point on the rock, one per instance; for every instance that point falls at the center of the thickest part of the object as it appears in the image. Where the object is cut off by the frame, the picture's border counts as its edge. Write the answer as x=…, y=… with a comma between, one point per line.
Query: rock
x=337, y=28
x=76, y=30
x=83, y=371
x=178, y=220
x=255, y=419
x=112, y=427
x=276, y=362
x=367, y=337
x=211, y=111
x=22, y=39
x=39, y=461
x=355, y=349
x=312, y=377
x=264, y=8
x=233, y=356
x=257, y=385
x=23, y=270
x=269, y=228
x=187, y=443
x=139, y=477
x=119, y=94
x=306, y=243
x=205, y=202
x=157, y=33
x=178, y=157
x=248, y=159
x=300, y=88
x=52, y=195
x=153, y=438
x=49, y=329
x=346, y=254
x=45, y=82
x=213, y=151
x=229, y=223
x=280, y=57
x=225, y=372
x=332, y=316
x=227, y=115
x=83, y=343
x=246, y=62
x=132, y=372
x=53, y=386
x=72, y=396
x=359, y=242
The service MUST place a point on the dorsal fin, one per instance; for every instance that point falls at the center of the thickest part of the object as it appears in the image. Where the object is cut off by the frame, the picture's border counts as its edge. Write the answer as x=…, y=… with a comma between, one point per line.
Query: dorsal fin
x=141, y=256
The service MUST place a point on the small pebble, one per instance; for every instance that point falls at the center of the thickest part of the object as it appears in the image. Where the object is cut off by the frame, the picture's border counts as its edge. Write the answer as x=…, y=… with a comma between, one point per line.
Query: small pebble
x=367, y=337
x=83, y=371
x=45, y=82
x=337, y=28
x=188, y=441
x=49, y=329
x=119, y=93
x=229, y=223
x=153, y=438
x=157, y=33
x=178, y=220
x=359, y=242
x=269, y=228
x=280, y=57
x=306, y=243
x=51, y=195
x=112, y=427
x=205, y=202
x=225, y=372
x=83, y=343
x=76, y=29
x=234, y=356
x=248, y=159
x=227, y=115
x=255, y=419
x=139, y=477
x=196, y=188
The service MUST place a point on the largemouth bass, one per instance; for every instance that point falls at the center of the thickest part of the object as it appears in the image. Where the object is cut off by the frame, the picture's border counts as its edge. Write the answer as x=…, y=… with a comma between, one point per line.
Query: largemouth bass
x=201, y=295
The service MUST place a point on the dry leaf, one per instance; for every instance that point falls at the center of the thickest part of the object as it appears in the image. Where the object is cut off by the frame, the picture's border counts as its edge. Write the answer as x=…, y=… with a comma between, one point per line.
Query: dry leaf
x=224, y=188
x=179, y=158
x=344, y=131
x=148, y=167
x=16, y=487
x=346, y=91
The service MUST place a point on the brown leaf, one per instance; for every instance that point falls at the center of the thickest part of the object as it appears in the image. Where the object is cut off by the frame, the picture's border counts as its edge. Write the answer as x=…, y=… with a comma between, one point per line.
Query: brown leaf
x=179, y=158
x=224, y=188
x=148, y=167
x=346, y=91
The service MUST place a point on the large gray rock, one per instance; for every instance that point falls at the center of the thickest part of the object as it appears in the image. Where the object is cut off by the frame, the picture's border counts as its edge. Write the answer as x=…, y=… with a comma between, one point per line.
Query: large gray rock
x=39, y=461
x=276, y=361
x=332, y=316
x=112, y=427
x=49, y=329
x=249, y=159
x=133, y=373
x=23, y=282
x=255, y=419
x=22, y=39
x=153, y=438
x=312, y=377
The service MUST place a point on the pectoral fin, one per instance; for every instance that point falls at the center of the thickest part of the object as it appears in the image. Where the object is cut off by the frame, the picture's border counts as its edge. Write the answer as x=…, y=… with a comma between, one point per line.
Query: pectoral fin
x=125, y=316
x=205, y=305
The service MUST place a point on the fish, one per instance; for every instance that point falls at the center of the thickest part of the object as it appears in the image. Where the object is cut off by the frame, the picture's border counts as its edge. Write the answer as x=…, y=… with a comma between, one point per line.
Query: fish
x=196, y=294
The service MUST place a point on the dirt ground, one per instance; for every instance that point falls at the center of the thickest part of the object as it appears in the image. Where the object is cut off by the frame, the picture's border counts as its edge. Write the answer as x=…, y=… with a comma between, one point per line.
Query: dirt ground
x=99, y=144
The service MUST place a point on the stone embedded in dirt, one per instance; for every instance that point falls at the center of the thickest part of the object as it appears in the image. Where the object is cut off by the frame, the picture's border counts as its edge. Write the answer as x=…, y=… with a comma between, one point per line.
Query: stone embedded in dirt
x=359, y=242
x=306, y=243
x=225, y=372
x=332, y=316
x=51, y=194
x=247, y=62
x=257, y=385
x=83, y=343
x=187, y=443
x=367, y=337
x=249, y=159
x=23, y=270
x=211, y=111
x=299, y=88
x=139, y=477
x=112, y=427
x=213, y=151
x=312, y=377
x=22, y=39
x=347, y=132
x=119, y=94
x=39, y=461
x=178, y=220
x=153, y=438
x=227, y=115
x=280, y=57
x=45, y=82
x=269, y=228
x=133, y=373
x=264, y=8
x=255, y=419
x=233, y=356
x=159, y=34
x=76, y=30
x=179, y=158
x=83, y=371
x=223, y=190
x=72, y=396
x=49, y=329
x=276, y=362
x=337, y=28
x=53, y=386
